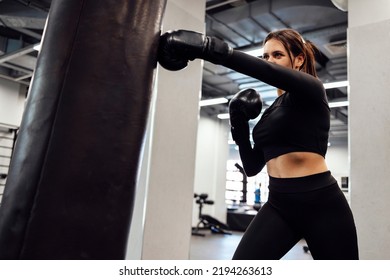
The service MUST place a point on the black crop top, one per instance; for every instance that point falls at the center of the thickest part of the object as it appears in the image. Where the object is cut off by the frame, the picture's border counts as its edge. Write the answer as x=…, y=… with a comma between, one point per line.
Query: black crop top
x=297, y=121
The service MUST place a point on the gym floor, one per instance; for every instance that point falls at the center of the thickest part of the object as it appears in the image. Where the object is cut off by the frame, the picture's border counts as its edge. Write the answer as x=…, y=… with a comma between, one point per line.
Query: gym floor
x=222, y=247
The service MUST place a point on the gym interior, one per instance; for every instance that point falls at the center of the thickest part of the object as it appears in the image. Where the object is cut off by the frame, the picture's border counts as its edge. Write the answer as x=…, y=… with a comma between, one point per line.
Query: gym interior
x=192, y=199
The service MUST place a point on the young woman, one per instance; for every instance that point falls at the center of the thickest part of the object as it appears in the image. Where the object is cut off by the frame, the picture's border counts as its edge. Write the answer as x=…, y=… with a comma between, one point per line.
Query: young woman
x=291, y=139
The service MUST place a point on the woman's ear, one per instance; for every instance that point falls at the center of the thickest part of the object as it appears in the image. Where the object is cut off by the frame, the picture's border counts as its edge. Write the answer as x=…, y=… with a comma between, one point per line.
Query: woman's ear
x=298, y=61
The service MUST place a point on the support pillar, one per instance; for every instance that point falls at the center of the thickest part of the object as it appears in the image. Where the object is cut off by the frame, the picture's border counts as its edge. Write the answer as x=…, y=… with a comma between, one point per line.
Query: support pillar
x=165, y=226
x=369, y=124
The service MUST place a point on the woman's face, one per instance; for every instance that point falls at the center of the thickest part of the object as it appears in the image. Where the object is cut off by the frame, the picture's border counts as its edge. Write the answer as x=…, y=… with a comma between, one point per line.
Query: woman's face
x=275, y=52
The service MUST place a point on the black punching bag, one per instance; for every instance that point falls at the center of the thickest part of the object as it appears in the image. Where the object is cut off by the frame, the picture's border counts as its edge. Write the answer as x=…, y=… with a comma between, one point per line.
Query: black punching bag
x=72, y=179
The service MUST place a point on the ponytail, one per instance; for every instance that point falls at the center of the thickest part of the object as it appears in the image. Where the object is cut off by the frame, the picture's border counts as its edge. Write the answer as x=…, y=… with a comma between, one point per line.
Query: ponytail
x=309, y=51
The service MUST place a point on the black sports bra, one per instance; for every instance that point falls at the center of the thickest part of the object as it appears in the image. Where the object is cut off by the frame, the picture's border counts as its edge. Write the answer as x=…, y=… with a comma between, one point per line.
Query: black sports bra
x=298, y=120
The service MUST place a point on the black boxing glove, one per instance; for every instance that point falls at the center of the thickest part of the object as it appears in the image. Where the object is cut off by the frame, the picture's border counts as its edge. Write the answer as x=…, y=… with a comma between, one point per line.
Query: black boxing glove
x=240, y=133
x=177, y=47
x=244, y=106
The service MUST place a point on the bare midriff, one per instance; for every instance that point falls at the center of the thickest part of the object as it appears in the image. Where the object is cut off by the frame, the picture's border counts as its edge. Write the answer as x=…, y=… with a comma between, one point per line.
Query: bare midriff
x=296, y=164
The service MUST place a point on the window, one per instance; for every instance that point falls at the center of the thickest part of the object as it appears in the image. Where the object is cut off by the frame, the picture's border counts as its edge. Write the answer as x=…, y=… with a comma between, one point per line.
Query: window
x=242, y=190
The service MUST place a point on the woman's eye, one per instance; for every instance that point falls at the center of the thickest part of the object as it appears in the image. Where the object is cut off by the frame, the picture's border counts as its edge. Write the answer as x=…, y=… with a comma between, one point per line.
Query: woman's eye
x=277, y=55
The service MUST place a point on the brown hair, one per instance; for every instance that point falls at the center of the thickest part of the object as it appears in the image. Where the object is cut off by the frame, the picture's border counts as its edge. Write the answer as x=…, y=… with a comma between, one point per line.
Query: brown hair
x=296, y=45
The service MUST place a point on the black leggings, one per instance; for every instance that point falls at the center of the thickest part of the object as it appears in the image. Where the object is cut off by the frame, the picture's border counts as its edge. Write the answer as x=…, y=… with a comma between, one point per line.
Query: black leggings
x=311, y=207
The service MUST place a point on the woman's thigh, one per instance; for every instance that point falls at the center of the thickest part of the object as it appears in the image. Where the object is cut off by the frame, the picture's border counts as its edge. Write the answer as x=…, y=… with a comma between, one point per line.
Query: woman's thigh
x=331, y=231
x=268, y=237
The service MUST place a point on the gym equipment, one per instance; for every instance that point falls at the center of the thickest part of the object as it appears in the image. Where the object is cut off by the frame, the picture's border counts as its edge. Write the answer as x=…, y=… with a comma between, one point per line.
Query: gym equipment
x=206, y=222
x=71, y=184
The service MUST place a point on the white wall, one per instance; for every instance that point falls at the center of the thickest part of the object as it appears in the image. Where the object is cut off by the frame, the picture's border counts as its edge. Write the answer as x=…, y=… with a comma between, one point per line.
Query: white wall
x=363, y=12
x=12, y=98
x=337, y=159
x=369, y=124
x=210, y=171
